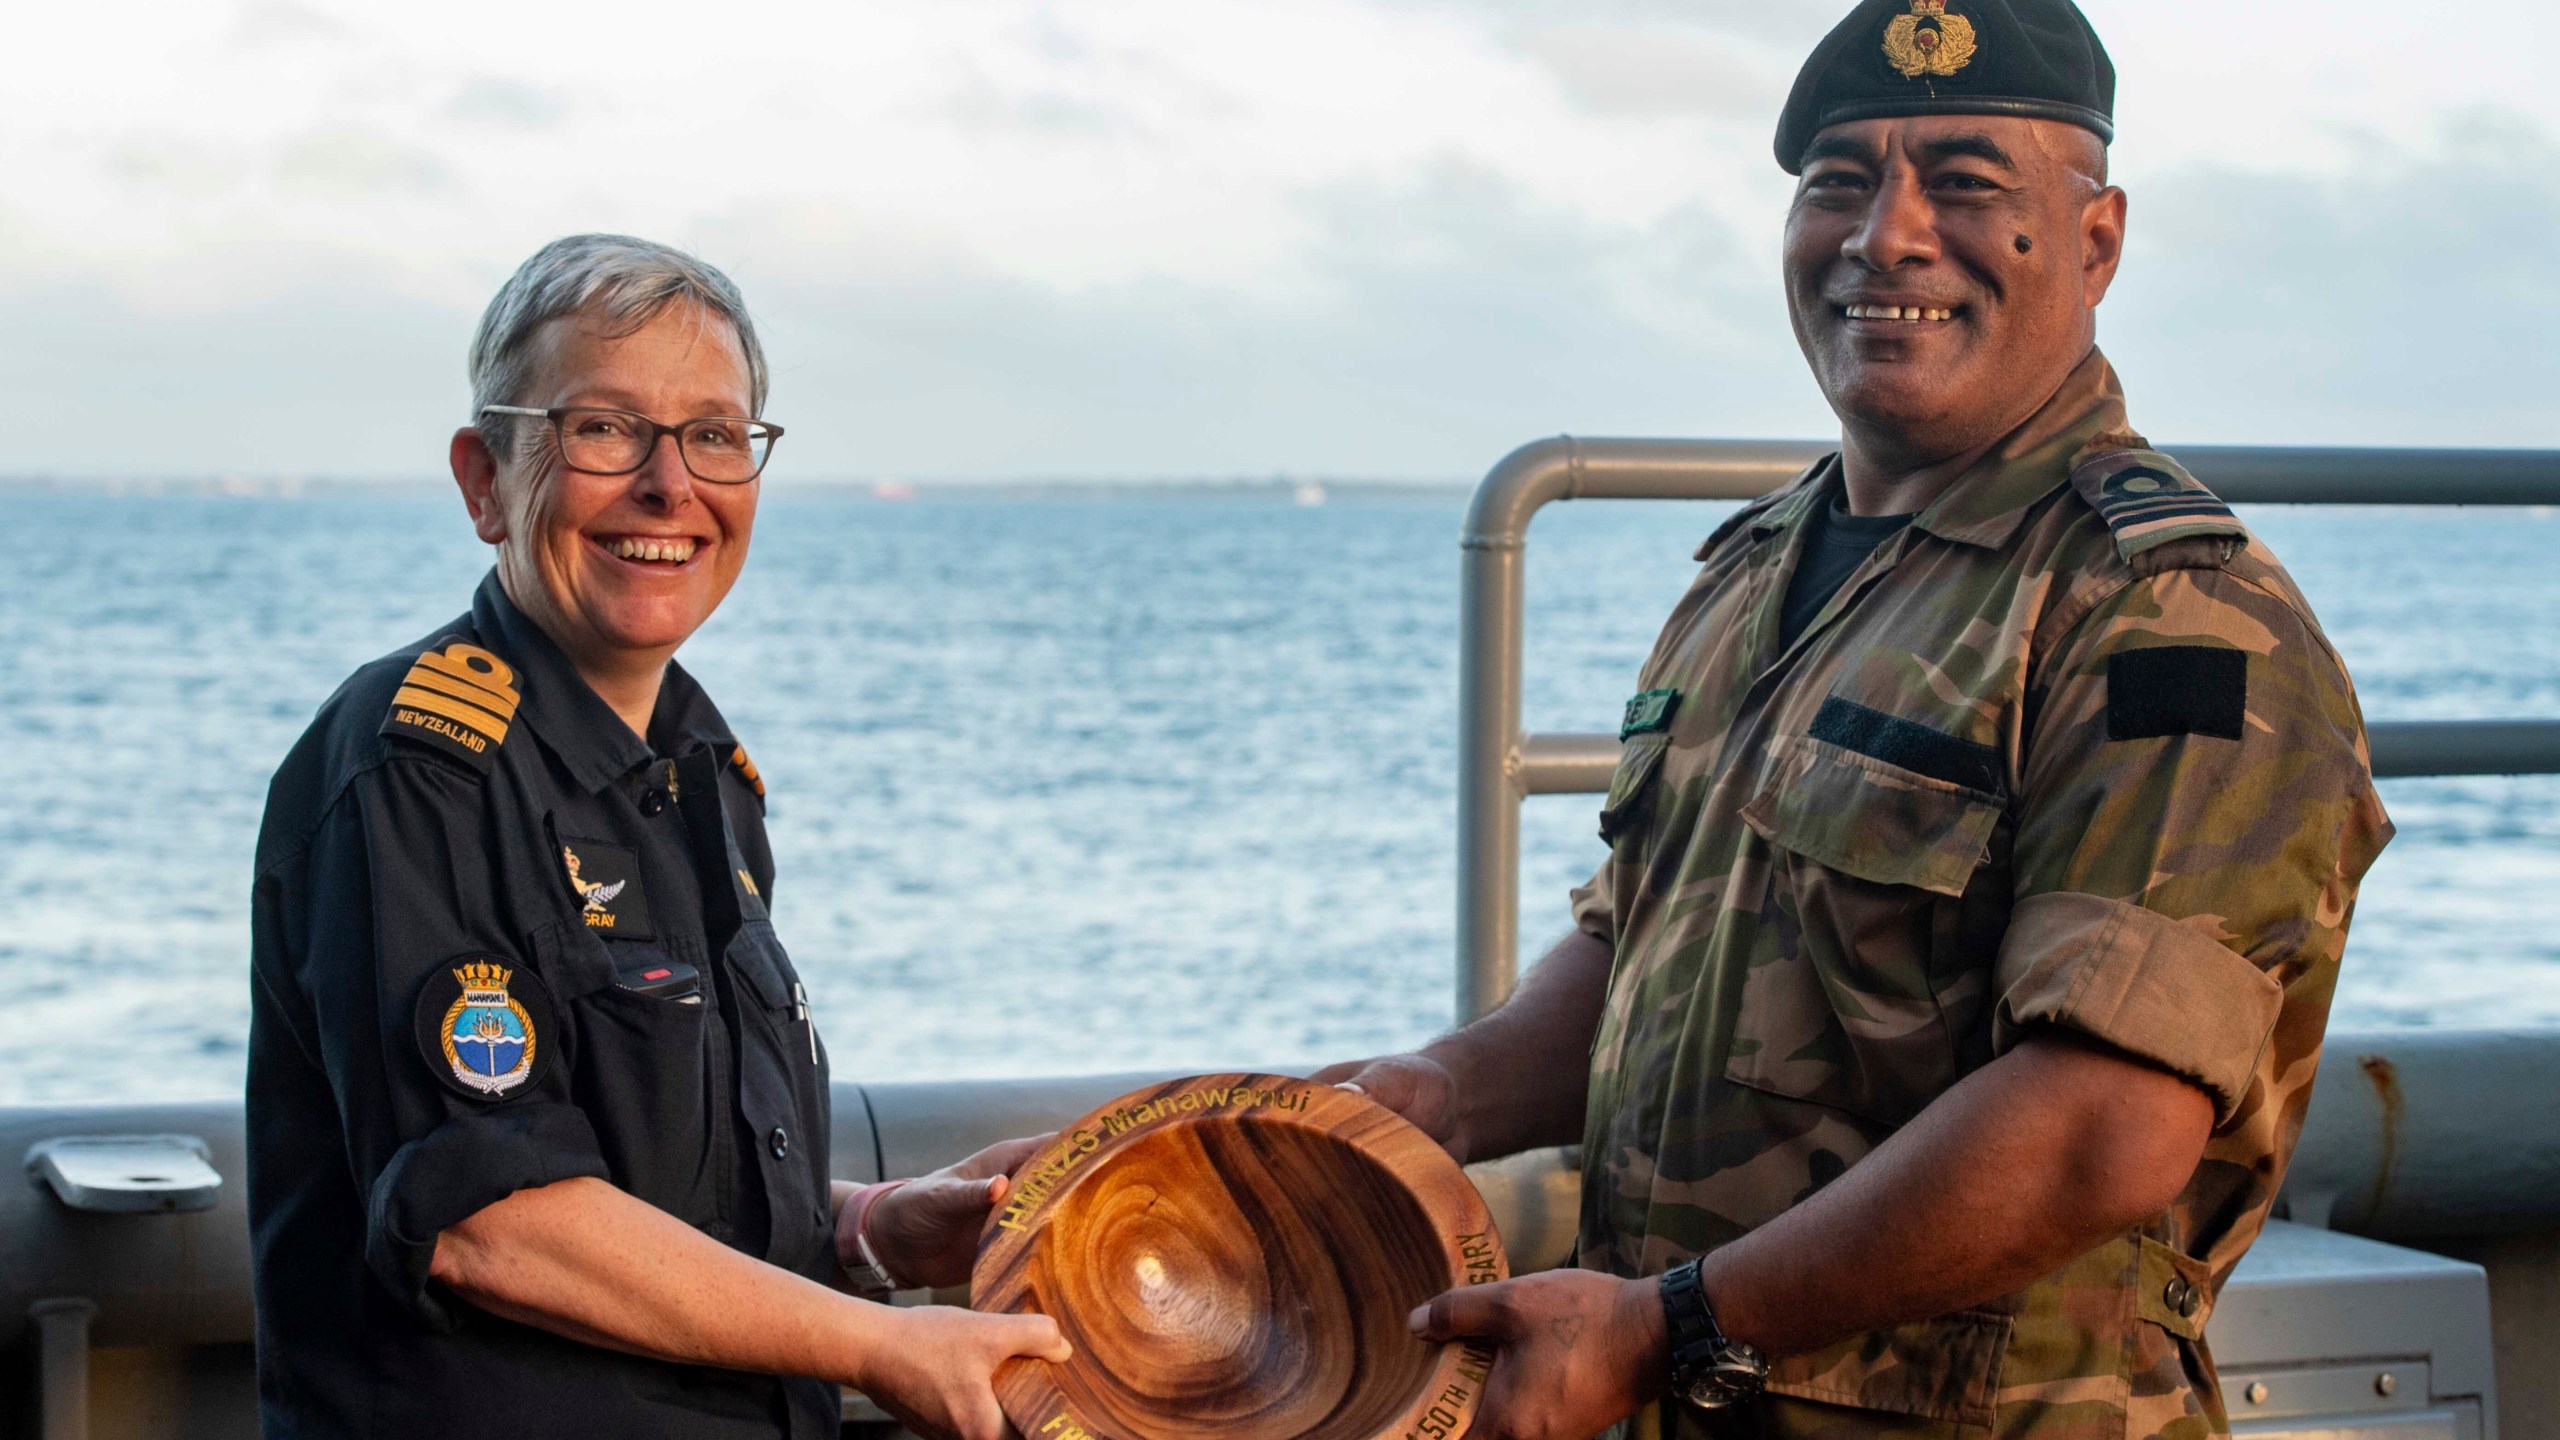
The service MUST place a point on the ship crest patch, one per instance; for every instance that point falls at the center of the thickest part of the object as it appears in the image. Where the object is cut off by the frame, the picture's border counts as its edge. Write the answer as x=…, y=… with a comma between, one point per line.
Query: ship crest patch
x=481, y=1026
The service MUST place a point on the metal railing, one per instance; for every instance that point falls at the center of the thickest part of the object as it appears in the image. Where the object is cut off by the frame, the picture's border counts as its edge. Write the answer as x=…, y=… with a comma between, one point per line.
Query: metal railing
x=1499, y=765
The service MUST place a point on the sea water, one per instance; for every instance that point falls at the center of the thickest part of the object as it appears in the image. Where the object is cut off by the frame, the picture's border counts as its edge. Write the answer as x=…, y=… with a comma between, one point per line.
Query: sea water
x=1063, y=784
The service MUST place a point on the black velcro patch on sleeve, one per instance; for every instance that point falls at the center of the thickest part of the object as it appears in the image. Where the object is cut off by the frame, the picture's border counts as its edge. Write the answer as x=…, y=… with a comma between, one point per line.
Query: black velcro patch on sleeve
x=1907, y=743
x=2177, y=690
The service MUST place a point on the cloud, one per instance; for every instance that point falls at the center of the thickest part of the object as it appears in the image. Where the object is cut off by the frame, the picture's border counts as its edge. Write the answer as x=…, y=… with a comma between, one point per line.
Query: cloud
x=1792, y=26
x=174, y=164
x=355, y=161
x=1655, y=69
x=978, y=106
x=330, y=378
x=1433, y=317
x=509, y=104
x=1443, y=317
x=271, y=23
x=1194, y=236
x=2410, y=302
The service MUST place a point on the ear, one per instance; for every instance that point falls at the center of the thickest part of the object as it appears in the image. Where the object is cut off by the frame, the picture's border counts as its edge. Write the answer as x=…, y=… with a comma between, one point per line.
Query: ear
x=475, y=472
x=2101, y=243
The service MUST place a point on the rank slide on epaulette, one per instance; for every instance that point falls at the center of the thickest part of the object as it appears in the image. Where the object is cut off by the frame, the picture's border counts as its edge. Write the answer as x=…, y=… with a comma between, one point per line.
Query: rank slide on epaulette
x=460, y=698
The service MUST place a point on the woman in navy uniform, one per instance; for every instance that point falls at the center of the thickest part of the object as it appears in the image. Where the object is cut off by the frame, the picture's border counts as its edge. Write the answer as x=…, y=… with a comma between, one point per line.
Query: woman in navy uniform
x=537, y=1115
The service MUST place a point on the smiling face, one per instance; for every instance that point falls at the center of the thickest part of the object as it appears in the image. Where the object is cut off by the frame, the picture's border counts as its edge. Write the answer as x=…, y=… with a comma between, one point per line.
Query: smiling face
x=1942, y=272
x=618, y=569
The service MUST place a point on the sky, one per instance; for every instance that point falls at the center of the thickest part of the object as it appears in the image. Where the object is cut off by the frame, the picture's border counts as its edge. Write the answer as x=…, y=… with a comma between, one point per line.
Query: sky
x=1188, y=238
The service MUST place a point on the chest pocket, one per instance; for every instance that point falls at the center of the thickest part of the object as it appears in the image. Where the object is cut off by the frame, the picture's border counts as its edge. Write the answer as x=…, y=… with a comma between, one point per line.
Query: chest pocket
x=650, y=1072
x=783, y=1097
x=1864, y=1006
x=1631, y=786
x=1874, y=819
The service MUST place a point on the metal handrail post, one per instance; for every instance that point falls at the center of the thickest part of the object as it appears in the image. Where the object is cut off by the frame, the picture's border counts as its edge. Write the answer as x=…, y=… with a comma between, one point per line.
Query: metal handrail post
x=1499, y=766
x=1492, y=611
x=1492, y=618
x=62, y=1366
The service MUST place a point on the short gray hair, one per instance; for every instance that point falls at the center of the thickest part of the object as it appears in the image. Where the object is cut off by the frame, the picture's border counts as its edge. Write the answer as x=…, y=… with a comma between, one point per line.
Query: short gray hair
x=624, y=280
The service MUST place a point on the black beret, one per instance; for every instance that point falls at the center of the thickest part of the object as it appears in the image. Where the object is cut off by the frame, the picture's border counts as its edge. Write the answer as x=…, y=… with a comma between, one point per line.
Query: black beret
x=2037, y=58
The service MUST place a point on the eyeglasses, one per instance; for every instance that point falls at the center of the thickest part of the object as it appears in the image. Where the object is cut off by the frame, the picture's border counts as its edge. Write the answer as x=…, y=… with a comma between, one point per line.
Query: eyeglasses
x=721, y=449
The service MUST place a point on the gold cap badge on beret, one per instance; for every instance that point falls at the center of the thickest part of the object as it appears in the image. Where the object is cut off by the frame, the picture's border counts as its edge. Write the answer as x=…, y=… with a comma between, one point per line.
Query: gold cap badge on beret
x=1929, y=41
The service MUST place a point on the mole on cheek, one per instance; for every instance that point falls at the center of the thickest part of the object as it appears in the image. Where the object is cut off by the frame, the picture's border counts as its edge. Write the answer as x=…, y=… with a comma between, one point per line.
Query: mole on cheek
x=2025, y=244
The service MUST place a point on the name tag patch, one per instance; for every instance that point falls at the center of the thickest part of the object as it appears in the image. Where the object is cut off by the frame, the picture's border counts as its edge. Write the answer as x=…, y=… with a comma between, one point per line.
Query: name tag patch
x=1909, y=744
x=606, y=880
x=1649, y=713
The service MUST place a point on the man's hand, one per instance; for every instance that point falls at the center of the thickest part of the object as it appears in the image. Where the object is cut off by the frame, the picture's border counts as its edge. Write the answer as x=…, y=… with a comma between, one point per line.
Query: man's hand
x=926, y=1231
x=1416, y=1087
x=937, y=1375
x=1511, y=1081
x=1576, y=1351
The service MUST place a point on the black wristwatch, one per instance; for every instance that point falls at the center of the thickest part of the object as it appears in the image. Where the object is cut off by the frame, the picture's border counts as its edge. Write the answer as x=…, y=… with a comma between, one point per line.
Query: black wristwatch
x=1708, y=1370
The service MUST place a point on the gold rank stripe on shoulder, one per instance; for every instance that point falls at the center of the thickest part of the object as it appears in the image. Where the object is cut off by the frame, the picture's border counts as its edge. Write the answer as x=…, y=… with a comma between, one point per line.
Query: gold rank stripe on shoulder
x=460, y=699
x=2148, y=500
x=747, y=772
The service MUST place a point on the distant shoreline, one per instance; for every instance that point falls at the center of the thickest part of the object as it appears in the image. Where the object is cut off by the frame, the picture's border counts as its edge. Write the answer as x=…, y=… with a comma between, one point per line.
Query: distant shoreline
x=1288, y=490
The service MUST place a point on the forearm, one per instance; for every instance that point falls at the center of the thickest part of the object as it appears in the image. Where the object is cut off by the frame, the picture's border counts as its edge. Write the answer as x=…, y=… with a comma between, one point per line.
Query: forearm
x=1522, y=1073
x=586, y=1260
x=2034, y=1159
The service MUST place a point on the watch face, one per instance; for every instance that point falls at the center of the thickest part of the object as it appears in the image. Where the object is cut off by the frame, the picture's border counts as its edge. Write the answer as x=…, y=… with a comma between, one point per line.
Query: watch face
x=1728, y=1380
x=1712, y=1392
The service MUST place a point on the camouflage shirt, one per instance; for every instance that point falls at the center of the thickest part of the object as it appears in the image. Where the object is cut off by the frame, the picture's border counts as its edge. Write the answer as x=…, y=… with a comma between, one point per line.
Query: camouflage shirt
x=2067, y=750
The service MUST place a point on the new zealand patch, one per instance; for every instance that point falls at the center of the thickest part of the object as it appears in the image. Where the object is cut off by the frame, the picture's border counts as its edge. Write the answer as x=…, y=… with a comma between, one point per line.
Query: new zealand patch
x=606, y=879
x=459, y=699
x=2148, y=500
x=484, y=1027
x=1648, y=712
x=2177, y=690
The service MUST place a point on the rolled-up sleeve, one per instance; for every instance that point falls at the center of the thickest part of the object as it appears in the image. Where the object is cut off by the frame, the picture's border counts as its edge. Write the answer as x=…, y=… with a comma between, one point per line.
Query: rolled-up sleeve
x=394, y=887
x=2196, y=811
x=455, y=1171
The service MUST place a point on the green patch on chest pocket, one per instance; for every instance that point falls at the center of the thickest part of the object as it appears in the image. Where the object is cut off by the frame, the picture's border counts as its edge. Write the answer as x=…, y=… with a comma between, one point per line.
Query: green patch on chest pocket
x=1648, y=714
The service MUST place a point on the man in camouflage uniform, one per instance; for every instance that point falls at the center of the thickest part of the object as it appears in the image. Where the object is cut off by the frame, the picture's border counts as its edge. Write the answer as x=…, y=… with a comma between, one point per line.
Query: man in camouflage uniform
x=1982, y=851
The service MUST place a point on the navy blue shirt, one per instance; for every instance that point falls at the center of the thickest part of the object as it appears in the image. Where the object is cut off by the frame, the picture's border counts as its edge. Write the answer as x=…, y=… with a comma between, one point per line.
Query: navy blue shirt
x=1835, y=545
x=499, y=941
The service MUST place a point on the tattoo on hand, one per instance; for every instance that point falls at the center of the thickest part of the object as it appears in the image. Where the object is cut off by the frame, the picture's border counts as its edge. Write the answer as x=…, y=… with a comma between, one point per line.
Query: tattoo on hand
x=1566, y=1330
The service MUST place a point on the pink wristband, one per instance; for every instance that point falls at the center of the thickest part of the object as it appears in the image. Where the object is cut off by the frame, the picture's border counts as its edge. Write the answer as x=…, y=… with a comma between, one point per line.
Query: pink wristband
x=860, y=1203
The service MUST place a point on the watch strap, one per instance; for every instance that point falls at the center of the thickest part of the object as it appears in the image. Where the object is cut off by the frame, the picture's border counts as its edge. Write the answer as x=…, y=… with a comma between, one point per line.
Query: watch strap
x=1690, y=1321
x=1709, y=1369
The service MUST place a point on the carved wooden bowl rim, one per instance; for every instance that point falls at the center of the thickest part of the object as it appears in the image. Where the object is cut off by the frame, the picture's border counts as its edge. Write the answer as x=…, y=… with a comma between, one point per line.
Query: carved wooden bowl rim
x=1468, y=1245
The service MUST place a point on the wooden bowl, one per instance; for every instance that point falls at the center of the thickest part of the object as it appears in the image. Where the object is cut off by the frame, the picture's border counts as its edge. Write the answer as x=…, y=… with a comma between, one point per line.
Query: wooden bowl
x=1234, y=1256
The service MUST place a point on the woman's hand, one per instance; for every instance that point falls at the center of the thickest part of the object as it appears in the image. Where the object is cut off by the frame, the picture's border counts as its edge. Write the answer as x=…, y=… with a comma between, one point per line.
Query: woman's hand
x=936, y=1369
x=926, y=1231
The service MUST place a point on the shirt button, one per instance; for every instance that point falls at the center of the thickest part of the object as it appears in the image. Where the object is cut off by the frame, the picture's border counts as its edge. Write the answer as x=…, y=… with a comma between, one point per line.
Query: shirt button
x=780, y=1140
x=651, y=802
